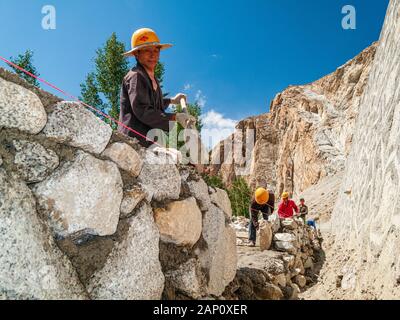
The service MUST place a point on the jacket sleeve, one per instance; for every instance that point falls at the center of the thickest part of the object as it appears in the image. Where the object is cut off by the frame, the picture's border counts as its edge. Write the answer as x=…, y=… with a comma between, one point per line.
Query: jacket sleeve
x=166, y=102
x=141, y=106
x=295, y=207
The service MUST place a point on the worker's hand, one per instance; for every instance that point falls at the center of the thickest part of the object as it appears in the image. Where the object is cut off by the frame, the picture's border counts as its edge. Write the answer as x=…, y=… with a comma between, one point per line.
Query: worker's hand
x=177, y=98
x=185, y=120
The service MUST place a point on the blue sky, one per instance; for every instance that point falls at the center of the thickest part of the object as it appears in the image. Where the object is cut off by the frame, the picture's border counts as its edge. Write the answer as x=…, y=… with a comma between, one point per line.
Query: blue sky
x=235, y=56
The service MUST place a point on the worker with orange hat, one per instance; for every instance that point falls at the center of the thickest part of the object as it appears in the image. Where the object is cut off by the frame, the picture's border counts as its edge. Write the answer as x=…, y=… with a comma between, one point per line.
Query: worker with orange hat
x=286, y=207
x=142, y=102
x=264, y=201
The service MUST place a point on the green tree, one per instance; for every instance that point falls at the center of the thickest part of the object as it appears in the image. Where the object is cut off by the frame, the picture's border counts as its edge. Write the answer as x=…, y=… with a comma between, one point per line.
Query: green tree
x=240, y=195
x=90, y=94
x=26, y=61
x=193, y=109
x=110, y=69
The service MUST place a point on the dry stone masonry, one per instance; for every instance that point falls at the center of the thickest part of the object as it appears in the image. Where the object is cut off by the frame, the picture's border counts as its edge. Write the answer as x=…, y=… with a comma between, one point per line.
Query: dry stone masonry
x=87, y=213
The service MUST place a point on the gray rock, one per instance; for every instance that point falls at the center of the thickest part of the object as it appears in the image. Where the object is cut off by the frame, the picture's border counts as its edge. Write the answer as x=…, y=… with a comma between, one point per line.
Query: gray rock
x=275, y=222
x=159, y=180
x=187, y=280
x=180, y=222
x=125, y=157
x=220, y=259
x=34, y=162
x=20, y=108
x=280, y=280
x=289, y=224
x=221, y=200
x=300, y=281
x=285, y=246
x=71, y=123
x=287, y=237
x=132, y=270
x=265, y=235
x=199, y=190
x=31, y=265
x=82, y=196
x=130, y=200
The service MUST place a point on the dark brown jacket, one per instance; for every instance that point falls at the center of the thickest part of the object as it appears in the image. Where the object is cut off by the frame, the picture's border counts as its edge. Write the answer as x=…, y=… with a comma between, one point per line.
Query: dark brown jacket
x=142, y=108
x=266, y=209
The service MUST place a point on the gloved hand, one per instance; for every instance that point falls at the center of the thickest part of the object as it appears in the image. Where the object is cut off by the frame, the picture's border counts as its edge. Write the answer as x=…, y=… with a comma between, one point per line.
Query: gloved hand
x=177, y=98
x=185, y=120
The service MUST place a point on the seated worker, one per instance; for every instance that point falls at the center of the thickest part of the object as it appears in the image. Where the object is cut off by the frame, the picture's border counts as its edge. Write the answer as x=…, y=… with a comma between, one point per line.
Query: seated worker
x=142, y=102
x=263, y=201
x=286, y=207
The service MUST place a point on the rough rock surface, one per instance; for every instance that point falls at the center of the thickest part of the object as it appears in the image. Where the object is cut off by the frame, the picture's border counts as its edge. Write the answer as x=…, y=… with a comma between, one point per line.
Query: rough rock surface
x=82, y=196
x=31, y=265
x=220, y=198
x=132, y=270
x=130, y=200
x=186, y=279
x=160, y=180
x=366, y=217
x=20, y=108
x=180, y=222
x=72, y=124
x=125, y=157
x=34, y=162
x=220, y=256
x=83, y=226
x=266, y=235
x=199, y=189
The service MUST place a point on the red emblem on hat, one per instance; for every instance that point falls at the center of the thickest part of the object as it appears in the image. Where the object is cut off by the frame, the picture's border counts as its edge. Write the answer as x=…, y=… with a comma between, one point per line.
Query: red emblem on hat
x=143, y=38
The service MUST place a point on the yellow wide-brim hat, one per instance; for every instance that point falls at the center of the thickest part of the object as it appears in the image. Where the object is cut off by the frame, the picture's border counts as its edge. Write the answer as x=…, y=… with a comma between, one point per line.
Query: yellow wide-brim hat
x=145, y=37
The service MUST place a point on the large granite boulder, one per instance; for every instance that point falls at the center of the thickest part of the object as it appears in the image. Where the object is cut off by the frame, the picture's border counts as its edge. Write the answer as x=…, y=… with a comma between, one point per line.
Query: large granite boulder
x=180, y=222
x=132, y=270
x=20, y=108
x=82, y=196
x=31, y=265
x=71, y=123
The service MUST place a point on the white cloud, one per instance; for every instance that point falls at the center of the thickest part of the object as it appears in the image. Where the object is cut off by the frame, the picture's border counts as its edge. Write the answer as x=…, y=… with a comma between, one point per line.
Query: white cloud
x=216, y=128
x=200, y=98
x=215, y=56
x=187, y=86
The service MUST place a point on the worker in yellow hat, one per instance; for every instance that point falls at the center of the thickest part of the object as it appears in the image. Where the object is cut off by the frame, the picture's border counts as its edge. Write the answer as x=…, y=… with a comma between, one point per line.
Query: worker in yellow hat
x=287, y=207
x=142, y=102
x=264, y=202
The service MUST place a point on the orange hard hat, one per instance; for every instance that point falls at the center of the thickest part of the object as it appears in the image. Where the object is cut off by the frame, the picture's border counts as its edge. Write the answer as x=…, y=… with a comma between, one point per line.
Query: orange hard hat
x=261, y=196
x=145, y=37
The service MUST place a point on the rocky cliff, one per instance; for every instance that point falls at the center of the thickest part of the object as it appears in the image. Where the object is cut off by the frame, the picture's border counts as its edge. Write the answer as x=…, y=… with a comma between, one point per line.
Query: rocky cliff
x=305, y=137
x=86, y=213
x=366, y=217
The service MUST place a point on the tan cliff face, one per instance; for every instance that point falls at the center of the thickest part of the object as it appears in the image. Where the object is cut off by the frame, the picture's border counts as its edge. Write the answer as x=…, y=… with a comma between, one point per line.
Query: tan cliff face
x=307, y=134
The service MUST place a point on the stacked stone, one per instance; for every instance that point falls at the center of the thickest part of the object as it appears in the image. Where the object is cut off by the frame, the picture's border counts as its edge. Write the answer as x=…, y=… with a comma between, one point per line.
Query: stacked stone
x=86, y=213
x=282, y=268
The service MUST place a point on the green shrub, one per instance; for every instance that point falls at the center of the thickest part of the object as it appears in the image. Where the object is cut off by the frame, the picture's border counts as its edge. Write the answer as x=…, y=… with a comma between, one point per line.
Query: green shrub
x=214, y=181
x=240, y=196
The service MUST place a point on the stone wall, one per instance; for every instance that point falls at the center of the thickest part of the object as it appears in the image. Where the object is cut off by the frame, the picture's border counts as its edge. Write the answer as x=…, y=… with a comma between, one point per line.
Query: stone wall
x=86, y=213
x=366, y=218
x=287, y=264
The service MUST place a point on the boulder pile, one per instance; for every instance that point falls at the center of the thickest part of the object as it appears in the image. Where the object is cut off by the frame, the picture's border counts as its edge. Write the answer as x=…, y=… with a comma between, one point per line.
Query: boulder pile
x=87, y=213
x=283, y=265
